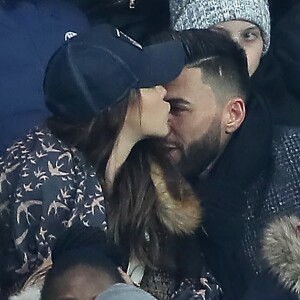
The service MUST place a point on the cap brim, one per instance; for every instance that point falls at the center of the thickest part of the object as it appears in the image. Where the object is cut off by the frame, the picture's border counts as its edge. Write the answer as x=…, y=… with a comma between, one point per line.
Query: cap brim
x=163, y=63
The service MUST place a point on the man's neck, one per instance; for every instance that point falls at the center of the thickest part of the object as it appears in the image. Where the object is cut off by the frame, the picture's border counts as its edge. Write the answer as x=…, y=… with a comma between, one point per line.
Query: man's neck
x=205, y=173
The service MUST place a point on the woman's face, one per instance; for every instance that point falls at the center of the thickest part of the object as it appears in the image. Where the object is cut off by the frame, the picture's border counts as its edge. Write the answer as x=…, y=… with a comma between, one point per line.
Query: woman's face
x=248, y=36
x=149, y=116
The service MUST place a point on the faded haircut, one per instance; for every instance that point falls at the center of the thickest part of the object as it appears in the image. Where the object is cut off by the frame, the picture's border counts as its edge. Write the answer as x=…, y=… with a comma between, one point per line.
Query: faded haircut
x=222, y=61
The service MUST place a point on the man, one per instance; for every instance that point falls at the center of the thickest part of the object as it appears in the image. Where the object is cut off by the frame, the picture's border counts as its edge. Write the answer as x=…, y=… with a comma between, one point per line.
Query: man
x=245, y=171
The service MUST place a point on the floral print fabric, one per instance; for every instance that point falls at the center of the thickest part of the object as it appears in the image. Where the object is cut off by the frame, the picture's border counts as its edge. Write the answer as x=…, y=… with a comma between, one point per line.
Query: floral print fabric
x=45, y=187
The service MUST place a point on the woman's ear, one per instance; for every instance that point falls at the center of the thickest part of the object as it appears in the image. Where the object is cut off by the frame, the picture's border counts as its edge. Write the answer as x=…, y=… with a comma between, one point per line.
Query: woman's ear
x=235, y=112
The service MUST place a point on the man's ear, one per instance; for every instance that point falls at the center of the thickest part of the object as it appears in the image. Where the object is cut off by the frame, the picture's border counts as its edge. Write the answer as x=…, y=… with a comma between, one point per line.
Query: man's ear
x=235, y=112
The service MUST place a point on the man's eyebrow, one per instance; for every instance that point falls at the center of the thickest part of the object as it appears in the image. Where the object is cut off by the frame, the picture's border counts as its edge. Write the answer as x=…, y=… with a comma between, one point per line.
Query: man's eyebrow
x=176, y=100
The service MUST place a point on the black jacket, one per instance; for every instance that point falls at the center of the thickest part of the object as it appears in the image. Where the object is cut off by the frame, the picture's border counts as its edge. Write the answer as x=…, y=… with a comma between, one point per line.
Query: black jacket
x=255, y=180
x=278, y=75
x=148, y=17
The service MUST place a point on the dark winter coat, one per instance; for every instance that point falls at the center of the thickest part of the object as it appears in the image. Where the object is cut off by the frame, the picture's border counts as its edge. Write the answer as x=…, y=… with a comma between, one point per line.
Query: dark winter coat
x=145, y=18
x=256, y=179
x=278, y=75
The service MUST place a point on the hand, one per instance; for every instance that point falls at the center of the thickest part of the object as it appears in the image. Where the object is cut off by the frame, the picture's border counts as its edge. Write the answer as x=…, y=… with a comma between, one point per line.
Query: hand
x=125, y=276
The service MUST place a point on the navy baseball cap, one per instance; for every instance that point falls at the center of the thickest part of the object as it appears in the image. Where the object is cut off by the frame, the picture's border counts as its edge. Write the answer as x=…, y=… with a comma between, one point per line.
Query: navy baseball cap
x=96, y=69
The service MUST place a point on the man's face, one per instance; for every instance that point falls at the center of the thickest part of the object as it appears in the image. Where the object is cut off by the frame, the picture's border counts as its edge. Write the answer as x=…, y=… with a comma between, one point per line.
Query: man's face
x=195, y=121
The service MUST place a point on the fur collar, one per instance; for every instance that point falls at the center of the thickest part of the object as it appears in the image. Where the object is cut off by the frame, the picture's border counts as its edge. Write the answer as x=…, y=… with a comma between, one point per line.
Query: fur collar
x=180, y=216
x=281, y=251
x=33, y=285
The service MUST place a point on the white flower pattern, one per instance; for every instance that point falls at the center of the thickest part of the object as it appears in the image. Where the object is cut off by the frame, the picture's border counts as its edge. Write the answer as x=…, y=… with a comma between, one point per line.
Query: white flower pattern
x=45, y=187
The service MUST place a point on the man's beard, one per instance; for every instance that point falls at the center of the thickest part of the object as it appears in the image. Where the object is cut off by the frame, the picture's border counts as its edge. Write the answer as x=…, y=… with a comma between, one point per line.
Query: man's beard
x=201, y=153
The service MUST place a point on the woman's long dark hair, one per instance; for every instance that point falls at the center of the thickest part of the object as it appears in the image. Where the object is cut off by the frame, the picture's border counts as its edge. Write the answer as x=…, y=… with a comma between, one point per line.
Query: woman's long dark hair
x=132, y=203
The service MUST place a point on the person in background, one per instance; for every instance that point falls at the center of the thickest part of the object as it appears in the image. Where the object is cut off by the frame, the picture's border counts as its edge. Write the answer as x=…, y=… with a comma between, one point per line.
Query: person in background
x=247, y=22
x=31, y=31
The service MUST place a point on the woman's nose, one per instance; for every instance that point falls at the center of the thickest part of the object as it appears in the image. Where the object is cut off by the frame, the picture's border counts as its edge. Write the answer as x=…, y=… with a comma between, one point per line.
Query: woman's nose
x=162, y=91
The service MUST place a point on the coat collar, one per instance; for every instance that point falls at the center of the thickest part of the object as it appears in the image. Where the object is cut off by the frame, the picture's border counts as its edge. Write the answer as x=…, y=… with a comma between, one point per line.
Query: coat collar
x=281, y=251
x=180, y=216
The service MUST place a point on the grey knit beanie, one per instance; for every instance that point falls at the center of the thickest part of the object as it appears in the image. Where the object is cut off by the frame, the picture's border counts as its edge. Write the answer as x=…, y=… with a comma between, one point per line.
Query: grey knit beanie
x=186, y=14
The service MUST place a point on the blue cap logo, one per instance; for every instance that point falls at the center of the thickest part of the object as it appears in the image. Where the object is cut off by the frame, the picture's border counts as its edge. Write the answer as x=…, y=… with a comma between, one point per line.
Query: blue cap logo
x=69, y=35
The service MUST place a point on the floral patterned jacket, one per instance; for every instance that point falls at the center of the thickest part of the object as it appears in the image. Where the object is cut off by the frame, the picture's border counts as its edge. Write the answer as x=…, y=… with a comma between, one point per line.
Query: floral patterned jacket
x=45, y=187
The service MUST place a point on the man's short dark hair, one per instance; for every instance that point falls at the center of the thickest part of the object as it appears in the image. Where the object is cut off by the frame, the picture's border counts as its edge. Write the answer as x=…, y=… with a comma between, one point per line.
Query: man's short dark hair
x=222, y=61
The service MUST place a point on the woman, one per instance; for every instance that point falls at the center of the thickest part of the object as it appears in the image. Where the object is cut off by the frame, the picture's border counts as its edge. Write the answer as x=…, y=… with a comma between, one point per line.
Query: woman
x=98, y=161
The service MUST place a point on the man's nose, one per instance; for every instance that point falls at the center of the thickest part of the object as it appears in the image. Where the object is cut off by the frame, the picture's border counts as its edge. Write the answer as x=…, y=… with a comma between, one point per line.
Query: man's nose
x=170, y=119
x=170, y=122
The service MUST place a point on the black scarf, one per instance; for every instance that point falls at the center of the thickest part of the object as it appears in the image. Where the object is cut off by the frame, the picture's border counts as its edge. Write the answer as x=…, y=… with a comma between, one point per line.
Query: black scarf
x=223, y=199
x=245, y=157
